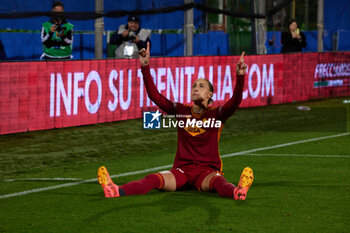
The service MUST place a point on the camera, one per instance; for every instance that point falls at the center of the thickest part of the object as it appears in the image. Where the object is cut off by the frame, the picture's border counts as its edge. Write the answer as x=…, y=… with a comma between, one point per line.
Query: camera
x=59, y=27
x=132, y=35
x=58, y=21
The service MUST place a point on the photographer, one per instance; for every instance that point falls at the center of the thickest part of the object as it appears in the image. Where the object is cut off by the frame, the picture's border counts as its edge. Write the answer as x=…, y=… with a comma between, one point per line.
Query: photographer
x=130, y=38
x=293, y=39
x=57, y=35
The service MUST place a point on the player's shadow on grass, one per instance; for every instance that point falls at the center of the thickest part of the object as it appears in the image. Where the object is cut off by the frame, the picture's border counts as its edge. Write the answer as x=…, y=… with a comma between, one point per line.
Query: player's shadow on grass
x=169, y=202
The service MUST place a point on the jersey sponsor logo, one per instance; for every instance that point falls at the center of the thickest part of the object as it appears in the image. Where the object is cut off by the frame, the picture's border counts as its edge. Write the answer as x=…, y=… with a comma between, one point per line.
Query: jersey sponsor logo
x=194, y=131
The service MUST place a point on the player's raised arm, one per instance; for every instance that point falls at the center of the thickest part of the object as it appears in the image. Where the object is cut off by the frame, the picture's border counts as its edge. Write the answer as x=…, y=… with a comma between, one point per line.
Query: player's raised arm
x=231, y=106
x=162, y=102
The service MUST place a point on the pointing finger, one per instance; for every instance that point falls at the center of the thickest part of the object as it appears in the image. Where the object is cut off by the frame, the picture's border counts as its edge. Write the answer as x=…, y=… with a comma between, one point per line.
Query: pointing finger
x=241, y=60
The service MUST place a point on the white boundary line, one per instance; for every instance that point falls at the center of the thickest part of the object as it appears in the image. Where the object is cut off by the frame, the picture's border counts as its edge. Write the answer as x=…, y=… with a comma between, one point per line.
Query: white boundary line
x=300, y=155
x=284, y=144
x=80, y=182
x=168, y=166
x=43, y=179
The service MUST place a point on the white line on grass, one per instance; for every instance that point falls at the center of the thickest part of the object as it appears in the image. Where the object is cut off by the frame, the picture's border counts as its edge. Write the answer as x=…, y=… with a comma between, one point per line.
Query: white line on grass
x=300, y=155
x=43, y=179
x=80, y=182
x=168, y=166
x=284, y=144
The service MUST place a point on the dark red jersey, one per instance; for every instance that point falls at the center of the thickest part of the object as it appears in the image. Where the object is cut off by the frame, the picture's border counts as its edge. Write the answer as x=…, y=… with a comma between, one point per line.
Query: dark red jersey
x=196, y=144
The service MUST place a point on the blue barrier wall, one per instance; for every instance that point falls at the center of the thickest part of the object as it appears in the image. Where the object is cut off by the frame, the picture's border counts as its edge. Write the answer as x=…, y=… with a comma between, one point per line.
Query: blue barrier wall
x=213, y=43
x=27, y=46
x=336, y=15
x=344, y=40
x=21, y=46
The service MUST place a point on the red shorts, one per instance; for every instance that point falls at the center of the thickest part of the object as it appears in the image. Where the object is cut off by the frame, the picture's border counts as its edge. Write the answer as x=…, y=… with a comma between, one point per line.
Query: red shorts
x=191, y=176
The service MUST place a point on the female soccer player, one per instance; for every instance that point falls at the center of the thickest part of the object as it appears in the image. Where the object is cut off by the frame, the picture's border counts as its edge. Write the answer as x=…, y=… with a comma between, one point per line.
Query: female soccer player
x=197, y=162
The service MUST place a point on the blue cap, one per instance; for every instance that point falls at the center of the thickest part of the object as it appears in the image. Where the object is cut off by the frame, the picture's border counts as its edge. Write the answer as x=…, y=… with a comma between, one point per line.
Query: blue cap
x=133, y=18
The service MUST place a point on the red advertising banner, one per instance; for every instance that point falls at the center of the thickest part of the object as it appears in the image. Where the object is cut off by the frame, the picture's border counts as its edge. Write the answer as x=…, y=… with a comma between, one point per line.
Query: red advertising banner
x=46, y=95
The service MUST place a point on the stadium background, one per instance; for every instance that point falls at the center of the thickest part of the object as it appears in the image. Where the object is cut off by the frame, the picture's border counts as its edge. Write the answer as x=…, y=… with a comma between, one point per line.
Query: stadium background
x=215, y=34
x=44, y=95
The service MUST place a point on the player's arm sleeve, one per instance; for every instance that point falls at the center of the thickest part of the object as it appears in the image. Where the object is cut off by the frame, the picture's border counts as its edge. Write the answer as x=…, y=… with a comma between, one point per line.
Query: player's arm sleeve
x=162, y=102
x=68, y=38
x=116, y=38
x=46, y=37
x=231, y=106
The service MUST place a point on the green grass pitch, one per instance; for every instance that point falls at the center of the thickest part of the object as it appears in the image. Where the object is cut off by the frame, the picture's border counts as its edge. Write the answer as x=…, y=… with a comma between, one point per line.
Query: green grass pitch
x=299, y=186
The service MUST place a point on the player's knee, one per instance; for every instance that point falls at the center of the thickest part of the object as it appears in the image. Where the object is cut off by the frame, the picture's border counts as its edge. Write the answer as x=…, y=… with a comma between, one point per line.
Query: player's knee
x=206, y=183
x=169, y=181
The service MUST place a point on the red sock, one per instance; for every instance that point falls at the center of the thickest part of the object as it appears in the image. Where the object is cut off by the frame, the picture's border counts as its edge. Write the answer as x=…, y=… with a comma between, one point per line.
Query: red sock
x=143, y=186
x=222, y=186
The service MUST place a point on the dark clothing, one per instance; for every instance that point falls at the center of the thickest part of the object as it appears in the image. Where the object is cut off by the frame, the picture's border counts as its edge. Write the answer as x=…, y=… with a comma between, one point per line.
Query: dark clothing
x=2, y=52
x=291, y=44
x=118, y=39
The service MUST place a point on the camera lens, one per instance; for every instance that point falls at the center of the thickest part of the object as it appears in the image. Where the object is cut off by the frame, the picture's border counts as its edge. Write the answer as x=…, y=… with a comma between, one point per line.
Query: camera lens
x=132, y=35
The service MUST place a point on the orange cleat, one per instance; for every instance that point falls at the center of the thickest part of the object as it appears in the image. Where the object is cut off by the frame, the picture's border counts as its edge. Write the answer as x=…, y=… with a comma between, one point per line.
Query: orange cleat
x=109, y=188
x=246, y=180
